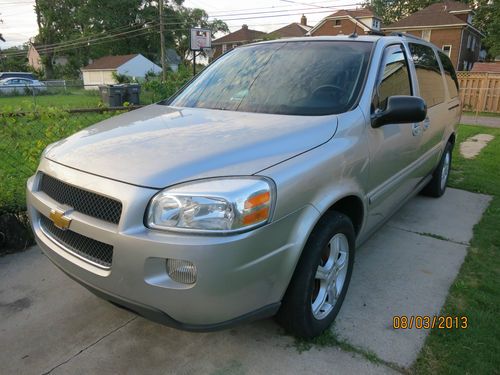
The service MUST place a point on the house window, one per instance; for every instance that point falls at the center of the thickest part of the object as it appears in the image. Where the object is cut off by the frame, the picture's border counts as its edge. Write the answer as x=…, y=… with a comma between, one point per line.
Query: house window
x=469, y=18
x=337, y=23
x=376, y=24
x=426, y=35
x=473, y=43
x=468, y=41
x=447, y=49
x=224, y=48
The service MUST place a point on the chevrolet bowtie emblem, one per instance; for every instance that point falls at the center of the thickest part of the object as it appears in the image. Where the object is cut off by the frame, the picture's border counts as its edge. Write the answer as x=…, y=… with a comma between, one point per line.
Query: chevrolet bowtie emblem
x=59, y=219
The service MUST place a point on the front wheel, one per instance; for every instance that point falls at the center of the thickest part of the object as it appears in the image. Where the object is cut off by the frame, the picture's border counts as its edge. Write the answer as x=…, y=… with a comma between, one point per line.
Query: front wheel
x=437, y=185
x=319, y=284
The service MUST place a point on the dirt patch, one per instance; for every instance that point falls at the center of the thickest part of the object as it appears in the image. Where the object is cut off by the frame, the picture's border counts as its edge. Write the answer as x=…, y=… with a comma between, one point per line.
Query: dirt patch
x=472, y=146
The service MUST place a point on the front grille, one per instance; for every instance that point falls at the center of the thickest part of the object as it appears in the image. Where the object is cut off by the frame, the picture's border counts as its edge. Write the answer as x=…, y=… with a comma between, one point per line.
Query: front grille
x=83, y=201
x=97, y=252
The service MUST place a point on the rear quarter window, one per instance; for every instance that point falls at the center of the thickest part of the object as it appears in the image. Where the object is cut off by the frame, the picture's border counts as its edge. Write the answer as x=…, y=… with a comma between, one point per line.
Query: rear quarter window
x=449, y=74
x=430, y=81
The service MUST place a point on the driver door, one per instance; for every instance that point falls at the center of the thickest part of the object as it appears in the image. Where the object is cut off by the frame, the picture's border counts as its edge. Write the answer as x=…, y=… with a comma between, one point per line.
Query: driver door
x=393, y=147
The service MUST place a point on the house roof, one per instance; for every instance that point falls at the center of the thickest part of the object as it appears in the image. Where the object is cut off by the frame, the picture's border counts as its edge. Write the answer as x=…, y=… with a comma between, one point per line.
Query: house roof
x=435, y=14
x=359, y=12
x=109, y=62
x=486, y=68
x=292, y=30
x=242, y=35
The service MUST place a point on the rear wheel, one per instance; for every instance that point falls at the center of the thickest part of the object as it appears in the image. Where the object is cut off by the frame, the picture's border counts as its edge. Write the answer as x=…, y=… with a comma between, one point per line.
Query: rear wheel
x=321, y=279
x=437, y=185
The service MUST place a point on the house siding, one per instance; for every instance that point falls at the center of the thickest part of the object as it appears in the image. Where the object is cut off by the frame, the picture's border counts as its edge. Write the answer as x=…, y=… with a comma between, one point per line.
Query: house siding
x=93, y=78
x=138, y=67
x=346, y=27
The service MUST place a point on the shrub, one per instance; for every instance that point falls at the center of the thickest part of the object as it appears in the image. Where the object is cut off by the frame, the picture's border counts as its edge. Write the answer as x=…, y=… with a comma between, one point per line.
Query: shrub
x=163, y=90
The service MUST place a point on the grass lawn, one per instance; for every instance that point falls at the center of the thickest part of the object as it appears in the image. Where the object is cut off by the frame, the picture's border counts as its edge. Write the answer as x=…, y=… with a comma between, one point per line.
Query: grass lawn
x=73, y=98
x=476, y=291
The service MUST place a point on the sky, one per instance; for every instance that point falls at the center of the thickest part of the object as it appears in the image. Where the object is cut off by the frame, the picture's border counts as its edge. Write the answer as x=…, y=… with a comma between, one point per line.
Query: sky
x=19, y=20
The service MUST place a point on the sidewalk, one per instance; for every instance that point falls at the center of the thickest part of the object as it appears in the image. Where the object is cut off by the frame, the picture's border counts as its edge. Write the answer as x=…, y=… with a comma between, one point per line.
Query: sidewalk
x=490, y=122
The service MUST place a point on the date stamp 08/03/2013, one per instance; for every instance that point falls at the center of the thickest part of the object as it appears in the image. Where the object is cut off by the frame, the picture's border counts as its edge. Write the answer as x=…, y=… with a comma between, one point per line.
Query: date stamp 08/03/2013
x=429, y=322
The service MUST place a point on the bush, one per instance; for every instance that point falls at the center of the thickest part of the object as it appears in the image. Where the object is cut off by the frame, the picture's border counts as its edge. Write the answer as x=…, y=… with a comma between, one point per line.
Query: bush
x=22, y=140
x=163, y=90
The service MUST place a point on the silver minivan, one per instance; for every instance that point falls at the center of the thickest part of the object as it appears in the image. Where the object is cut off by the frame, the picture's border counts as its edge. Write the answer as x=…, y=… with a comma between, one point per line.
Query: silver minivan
x=245, y=194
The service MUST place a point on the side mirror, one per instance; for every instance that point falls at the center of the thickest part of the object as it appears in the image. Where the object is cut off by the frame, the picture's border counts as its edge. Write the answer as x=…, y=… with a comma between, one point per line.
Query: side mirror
x=400, y=109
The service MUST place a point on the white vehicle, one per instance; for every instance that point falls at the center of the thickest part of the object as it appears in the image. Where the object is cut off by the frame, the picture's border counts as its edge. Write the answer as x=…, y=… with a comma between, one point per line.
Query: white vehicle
x=17, y=85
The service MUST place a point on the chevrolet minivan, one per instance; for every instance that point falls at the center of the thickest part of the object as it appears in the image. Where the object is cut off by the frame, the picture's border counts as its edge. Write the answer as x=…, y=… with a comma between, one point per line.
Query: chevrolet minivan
x=245, y=195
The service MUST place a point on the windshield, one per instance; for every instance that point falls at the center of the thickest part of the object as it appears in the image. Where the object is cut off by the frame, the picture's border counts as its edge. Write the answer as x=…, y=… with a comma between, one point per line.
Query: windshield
x=293, y=78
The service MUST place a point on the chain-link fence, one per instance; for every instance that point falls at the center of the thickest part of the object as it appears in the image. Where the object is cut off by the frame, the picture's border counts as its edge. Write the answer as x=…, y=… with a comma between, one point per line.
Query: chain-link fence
x=22, y=94
x=23, y=137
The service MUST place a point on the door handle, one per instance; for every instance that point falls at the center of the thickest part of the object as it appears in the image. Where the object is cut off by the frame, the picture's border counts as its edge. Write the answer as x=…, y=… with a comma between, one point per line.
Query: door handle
x=416, y=129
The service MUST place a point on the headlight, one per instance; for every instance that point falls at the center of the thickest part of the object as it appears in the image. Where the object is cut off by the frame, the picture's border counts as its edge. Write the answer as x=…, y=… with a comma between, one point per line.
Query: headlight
x=214, y=205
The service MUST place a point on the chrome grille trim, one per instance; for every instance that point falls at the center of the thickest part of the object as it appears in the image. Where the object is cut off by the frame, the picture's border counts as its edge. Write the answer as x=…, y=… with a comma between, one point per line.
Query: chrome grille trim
x=97, y=253
x=80, y=200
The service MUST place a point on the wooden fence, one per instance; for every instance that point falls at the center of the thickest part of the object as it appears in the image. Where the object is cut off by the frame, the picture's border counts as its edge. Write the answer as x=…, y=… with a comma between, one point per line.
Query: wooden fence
x=480, y=92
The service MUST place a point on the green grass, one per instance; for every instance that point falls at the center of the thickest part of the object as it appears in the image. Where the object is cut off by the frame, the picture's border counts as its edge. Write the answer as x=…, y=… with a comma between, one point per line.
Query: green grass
x=72, y=98
x=476, y=290
x=22, y=139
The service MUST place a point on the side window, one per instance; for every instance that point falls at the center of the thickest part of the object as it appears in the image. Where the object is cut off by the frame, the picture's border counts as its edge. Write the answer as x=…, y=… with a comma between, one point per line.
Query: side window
x=450, y=75
x=428, y=72
x=394, y=78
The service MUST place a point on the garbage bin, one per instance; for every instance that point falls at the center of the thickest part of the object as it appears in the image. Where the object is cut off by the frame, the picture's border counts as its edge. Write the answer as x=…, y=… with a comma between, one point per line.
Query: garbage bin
x=132, y=95
x=113, y=95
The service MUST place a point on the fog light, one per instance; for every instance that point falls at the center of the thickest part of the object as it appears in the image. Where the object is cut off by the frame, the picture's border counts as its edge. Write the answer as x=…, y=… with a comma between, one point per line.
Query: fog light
x=182, y=271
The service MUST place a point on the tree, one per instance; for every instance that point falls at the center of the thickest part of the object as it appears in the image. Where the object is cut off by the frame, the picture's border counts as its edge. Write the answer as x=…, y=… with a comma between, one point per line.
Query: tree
x=493, y=30
x=14, y=63
x=133, y=25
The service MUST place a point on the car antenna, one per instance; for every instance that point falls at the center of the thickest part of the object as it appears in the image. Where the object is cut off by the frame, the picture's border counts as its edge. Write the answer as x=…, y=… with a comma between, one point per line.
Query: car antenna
x=354, y=33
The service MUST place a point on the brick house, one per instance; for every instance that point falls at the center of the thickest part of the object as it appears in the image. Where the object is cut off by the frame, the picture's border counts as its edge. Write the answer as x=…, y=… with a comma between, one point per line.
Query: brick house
x=449, y=26
x=292, y=30
x=346, y=21
x=237, y=38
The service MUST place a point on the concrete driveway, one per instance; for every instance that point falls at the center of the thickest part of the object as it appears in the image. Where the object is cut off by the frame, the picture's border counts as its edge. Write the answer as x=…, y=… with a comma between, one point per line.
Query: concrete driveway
x=49, y=324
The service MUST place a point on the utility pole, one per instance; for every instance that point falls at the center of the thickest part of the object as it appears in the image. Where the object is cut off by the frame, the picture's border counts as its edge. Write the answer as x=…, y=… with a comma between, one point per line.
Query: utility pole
x=162, y=42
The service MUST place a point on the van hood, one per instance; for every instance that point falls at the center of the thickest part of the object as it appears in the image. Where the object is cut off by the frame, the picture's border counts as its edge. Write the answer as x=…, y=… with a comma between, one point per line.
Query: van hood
x=157, y=146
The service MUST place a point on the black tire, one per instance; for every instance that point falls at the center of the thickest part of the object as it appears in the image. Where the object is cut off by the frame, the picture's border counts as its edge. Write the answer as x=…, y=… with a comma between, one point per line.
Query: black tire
x=435, y=188
x=296, y=312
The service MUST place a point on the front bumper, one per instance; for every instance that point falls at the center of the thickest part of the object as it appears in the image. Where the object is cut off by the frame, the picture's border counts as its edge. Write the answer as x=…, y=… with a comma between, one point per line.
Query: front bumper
x=239, y=276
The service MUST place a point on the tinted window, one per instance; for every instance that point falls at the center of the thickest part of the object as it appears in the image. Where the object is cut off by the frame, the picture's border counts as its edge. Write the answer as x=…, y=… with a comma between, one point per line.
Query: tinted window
x=394, y=79
x=429, y=77
x=449, y=74
x=295, y=78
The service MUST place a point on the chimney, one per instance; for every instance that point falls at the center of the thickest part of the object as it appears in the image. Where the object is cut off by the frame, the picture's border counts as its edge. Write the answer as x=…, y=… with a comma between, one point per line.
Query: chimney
x=244, y=27
x=303, y=20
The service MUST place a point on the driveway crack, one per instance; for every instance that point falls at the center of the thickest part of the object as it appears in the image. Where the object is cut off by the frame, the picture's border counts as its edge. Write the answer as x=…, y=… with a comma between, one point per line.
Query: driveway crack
x=431, y=235
x=90, y=345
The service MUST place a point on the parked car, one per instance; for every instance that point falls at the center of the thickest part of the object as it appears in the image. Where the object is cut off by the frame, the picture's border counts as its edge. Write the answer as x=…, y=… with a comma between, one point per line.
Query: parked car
x=4, y=75
x=11, y=86
x=246, y=194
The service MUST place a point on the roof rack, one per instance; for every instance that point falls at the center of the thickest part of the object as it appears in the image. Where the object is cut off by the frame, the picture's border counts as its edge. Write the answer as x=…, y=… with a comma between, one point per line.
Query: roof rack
x=406, y=35
x=376, y=32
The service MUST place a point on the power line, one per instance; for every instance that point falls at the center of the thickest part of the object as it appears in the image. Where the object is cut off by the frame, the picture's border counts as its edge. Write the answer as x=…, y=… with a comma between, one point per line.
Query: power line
x=269, y=7
x=82, y=44
x=84, y=40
